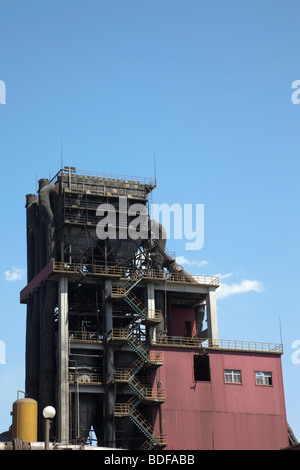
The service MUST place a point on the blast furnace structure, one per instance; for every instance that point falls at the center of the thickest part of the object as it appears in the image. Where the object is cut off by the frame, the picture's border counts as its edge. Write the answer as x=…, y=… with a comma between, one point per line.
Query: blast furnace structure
x=120, y=338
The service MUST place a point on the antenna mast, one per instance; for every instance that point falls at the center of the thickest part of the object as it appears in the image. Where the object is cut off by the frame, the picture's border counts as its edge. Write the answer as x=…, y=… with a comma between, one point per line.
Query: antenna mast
x=61, y=155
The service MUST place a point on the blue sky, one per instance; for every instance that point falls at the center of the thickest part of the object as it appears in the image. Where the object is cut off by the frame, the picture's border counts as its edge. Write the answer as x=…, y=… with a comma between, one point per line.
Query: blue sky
x=206, y=86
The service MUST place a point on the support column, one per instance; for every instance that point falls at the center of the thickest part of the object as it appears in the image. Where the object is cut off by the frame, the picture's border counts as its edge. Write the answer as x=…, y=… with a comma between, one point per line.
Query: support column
x=63, y=362
x=150, y=300
x=212, y=318
x=151, y=310
x=109, y=399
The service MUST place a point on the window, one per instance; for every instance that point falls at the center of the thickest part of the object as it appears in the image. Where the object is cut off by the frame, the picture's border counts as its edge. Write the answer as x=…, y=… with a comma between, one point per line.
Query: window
x=201, y=369
x=233, y=376
x=263, y=378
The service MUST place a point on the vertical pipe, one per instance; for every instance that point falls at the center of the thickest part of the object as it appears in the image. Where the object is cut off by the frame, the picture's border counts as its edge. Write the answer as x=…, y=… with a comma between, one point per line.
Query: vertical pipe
x=77, y=413
x=31, y=229
x=63, y=347
x=42, y=231
x=47, y=432
x=151, y=310
x=212, y=319
x=47, y=332
x=33, y=351
x=109, y=431
x=199, y=317
x=160, y=304
x=160, y=409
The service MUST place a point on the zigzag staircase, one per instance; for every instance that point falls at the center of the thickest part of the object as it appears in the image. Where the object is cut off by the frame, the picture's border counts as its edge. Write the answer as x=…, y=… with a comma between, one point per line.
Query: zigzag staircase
x=145, y=359
x=125, y=292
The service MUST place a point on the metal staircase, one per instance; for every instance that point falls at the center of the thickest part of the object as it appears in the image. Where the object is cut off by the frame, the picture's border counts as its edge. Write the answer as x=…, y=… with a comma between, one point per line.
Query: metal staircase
x=144, y=359
x=125, y=292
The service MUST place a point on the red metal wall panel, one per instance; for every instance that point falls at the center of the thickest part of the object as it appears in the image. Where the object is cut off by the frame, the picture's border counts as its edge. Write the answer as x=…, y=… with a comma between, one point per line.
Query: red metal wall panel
x=178, y=318
x=217, y=415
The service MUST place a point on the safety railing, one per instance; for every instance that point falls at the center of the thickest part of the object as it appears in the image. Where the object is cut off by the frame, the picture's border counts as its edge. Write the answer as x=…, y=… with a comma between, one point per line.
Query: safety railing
x=234, y=345
x=155, y=395
x=85, y=337
x=124, y=375
x=159, y=439
x=124, y=409
x=163, y=275
x=118, y=334
x=138, y=306
x=96, y=269
x=207, y=280
x=116, y=291
x=237, y=345
x=124, y=179
x=178, y=341
x=146, y=393
x=121, y=272
x=136, y=302
x=167, y=276
x=118, y=177
x=154, y=316
x=155, y=357
x=120, y=409
x=131, y=282
x=85, y=378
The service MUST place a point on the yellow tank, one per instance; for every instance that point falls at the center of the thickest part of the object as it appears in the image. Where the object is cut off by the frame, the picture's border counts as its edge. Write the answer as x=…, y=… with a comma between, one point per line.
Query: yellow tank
x=24, y=424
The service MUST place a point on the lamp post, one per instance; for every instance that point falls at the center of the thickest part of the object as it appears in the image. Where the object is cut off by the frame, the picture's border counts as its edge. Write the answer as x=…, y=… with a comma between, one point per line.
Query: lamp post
x=48, y=412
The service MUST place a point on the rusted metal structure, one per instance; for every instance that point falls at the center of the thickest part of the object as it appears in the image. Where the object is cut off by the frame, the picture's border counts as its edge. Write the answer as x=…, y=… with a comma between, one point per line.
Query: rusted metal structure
x=108, y=317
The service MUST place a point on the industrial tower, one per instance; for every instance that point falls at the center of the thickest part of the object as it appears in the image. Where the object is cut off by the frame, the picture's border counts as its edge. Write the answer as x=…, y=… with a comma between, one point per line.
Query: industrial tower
x=122, y=340
x=97, y=309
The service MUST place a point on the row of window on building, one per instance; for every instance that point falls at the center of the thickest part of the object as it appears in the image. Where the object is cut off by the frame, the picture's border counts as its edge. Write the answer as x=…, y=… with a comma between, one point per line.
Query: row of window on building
x=232, y=376
x=235, y=376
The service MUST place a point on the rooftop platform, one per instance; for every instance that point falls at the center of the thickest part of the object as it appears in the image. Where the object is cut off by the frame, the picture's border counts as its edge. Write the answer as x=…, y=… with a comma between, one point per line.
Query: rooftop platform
x=76, y=271
x=218, y=344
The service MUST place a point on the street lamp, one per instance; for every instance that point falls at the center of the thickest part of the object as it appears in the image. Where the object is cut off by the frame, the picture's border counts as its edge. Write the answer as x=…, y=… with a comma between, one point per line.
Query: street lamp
x=48, y=412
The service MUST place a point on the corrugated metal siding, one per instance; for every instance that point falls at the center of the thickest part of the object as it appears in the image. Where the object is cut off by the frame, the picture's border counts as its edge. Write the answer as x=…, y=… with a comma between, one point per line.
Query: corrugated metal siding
x=215, y=415
x=179, y=317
